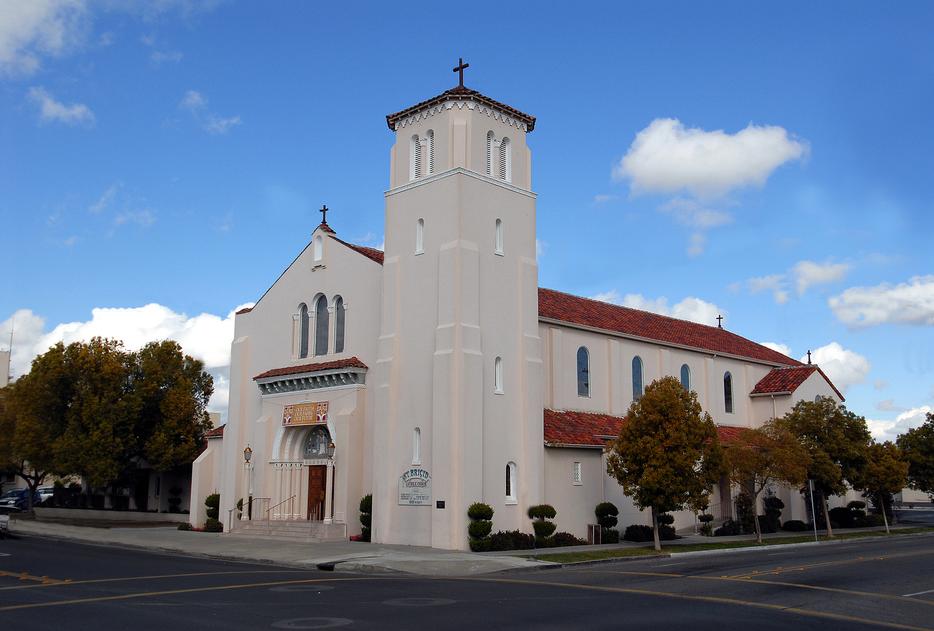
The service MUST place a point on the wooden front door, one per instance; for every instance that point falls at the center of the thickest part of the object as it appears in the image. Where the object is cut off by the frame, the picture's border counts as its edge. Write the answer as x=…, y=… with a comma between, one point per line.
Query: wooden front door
x=317, y=483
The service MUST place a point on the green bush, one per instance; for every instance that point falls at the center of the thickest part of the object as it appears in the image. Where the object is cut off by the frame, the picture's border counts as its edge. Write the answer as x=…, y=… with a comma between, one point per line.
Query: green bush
x=773, y=513
x=479, y=510
x=213, y=503
x=874, y=520
x=856, y=505
x=767, y=525
x=567, y=539
x=745, y=514
x=706, y=529
x=479, y=528
x=794, y=525
x=212, y=525
x=184, y=526
x=511, y=540
x=665, y=519
x=542, y=511
x=366, y=516
x=481, y=545
x=728, y=529
x=609, y=536
x=638, y=533
x=841, y=517
x=606, y=513
x=543, y=529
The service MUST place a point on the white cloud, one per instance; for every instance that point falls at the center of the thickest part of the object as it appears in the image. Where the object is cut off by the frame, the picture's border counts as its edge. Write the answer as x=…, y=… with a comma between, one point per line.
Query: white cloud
x=217, y=125
x=193, y=100
x=143, y=218
x=197, y=103
x=880, y=384
x=36, y=28
x=808, y=274
x=774, y=283
x=540, y=248
x=695, y=215
x=909, y=419
x=159, y=57
x=51, y=110
x=843, y=366
x=206, y=336
x=889, y=405
x=692, y=309
x=667, y=157
x=905, y=303
x=602, y=199
x=696, y=244
x=784, y=349
x=105, y=200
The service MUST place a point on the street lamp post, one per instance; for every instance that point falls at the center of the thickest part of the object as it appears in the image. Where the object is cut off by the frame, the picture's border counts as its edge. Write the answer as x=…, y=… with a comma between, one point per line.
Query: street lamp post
x=329, y=488
x=248, y=470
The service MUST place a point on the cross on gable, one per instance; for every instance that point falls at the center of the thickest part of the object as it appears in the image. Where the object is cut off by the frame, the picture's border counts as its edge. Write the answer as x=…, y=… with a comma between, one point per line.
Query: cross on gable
x=459, y=69
x=719, y=321
x=324, y=214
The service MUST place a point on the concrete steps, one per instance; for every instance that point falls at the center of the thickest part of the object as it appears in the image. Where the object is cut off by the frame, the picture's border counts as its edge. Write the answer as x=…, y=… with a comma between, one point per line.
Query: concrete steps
x=291, y=530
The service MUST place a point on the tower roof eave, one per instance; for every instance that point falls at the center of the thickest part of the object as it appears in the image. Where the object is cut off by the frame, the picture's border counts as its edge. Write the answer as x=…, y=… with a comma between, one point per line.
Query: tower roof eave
x=461, y=93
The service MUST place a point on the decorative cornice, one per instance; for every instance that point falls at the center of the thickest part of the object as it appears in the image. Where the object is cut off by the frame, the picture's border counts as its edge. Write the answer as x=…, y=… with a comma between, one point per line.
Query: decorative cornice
x=437, y=108
x=315, y=380
x=458, y=171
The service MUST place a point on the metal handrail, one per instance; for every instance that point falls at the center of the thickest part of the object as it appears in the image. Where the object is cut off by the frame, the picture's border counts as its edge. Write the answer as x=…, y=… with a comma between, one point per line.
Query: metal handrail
x=269, y=510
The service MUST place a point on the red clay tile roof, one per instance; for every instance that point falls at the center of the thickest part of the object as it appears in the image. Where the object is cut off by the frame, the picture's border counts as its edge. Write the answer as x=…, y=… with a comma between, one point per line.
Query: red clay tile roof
x=556, y=305
x=729, y=433
x=460, y=93
x=217, y=432
x=371, y=253
x=324, y=226
x=244, y=310
x=565, y=428
x=352, y=362
x=787, y=380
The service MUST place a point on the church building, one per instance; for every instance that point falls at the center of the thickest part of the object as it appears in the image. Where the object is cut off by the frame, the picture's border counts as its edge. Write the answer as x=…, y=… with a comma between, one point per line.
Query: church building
x=437, y=373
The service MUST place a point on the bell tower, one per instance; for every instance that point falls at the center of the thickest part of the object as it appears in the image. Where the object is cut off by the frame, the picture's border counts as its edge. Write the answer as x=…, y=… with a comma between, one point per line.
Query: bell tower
x=459, y=372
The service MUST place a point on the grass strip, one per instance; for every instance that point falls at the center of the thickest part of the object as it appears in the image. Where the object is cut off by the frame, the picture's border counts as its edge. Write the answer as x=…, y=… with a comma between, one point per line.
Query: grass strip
x=597, y=555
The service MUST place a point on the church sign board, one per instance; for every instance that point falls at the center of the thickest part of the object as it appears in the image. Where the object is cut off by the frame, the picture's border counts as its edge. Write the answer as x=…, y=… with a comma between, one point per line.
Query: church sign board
x=313, y=413
x=415, y=487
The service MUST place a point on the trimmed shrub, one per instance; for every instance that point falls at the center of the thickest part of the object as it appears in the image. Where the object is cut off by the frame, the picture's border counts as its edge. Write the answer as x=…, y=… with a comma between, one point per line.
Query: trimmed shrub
x=773, y=512
x=856, y=505
x=480, y=525
x=874, y=520
x=745, y=515
x=479, y=510
x=540, y=514
x=638, y=533
x=213, y=503
x=567, y=539
x=705, y=528
x=841, y=517
x=366, y=516
x=212, y=525
x=175, y=499
x=665, y=519
x=766, y=525
x=511, y=540
x=728, y=529
x=794, y=525
x=606, y=513
x=543, y=529
x=542, y=511
x=184, y=526
x=609, y=536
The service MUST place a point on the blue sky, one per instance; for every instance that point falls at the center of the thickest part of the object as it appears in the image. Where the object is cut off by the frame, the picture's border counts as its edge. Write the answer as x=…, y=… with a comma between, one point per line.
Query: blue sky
x=173, y=154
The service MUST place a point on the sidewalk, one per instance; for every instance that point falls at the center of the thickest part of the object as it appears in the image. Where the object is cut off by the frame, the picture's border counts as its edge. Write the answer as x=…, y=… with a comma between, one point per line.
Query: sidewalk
x=349, y=556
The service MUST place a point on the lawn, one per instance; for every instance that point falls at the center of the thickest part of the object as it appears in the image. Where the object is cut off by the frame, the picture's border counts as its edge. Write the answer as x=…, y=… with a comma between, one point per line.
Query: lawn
x=597, y=555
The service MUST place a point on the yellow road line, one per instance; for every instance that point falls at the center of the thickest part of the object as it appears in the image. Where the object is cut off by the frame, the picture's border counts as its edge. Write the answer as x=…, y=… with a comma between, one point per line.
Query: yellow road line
x=800, y=567
x=712, y=599
x=142, y=578
x=26, y=576
x=190, y=590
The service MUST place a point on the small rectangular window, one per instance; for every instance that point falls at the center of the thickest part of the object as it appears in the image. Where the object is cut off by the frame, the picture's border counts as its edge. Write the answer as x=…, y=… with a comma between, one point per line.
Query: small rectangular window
x=576, y=475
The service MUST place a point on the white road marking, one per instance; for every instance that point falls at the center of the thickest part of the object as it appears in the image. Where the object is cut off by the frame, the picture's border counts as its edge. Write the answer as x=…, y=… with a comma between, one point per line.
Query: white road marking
x=670, y=564
x=930, y=591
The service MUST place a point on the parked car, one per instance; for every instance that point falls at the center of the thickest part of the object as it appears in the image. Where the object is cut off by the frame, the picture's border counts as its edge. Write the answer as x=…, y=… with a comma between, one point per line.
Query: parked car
x=17, y=499
x=45, y=492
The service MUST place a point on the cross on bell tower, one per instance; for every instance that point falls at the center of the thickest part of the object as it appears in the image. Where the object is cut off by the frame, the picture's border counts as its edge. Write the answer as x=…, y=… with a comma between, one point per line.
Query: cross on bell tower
x=459, y=69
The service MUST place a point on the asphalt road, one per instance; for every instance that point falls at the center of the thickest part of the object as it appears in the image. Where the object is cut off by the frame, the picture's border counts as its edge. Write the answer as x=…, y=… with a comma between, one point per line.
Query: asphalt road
x=50, y=584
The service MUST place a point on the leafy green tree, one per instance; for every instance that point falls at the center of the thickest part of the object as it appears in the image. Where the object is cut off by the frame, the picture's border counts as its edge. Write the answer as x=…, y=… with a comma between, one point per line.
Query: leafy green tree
x=886, y=473
x=667, y=456
x=837, y=442
x=917, y=446
x=762, y=456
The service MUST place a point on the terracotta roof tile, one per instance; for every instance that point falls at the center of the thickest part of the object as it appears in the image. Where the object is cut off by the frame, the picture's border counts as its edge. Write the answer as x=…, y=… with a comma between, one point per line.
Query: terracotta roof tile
x=782, y=380
x=555, y=305
x=337, y=364
x=565, y=428
x=460, y=93
x=217, y=432
x=729, y=433
x=371, y=253
x=244, y=310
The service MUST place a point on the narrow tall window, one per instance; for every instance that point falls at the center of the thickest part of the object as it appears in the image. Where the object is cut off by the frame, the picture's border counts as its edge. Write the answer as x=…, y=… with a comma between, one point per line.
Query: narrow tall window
x=338, y=324
x=577, y=477
x=511, y=483
x=318, y=248
x=321, y=326
x=303, y=330
x=583, y=372
x=490, y=139
x=636, y=378
x=498, y=375
x=499, y=236
x=415, y=158
x=430, y=142
x=420, y=236
x=686, y=377
x=728, y=392
x=417, y=446
x=505, y=160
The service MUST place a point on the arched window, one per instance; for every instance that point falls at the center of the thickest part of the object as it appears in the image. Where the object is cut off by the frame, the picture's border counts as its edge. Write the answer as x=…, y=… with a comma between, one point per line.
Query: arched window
x=686, y=377
x=316, y=445
x=318, y=247
x=636, y=378
x=417, y=446
x=415, y=158
x=303, y=330
x=339, y=316
x=498, y=375
x=420, y=236
x=321, y=326
x=511, y=483
x=505, y=160
x=430, y=141
x=499, y=237
x=583, y=372
x=490, y=141
x=728, y=392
